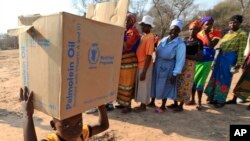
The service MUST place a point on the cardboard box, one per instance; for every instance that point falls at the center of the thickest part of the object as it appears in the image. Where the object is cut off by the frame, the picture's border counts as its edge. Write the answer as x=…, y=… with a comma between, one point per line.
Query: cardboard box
x=71, y=63
x=114, y=12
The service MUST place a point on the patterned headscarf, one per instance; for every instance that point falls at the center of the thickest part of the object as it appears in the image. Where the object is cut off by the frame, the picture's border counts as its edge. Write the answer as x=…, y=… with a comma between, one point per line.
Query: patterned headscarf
x=132, y=17
x=196, y=23
x=206, y=18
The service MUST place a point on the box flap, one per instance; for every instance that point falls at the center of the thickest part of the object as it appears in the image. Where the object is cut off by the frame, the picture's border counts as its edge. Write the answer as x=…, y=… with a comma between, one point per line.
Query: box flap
x=27, y=19
x=109, y=12
x=18, y=30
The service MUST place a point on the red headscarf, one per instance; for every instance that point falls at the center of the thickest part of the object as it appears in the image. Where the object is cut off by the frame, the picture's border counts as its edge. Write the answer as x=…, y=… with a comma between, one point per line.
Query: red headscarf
x=196, y=23
x=132, y=17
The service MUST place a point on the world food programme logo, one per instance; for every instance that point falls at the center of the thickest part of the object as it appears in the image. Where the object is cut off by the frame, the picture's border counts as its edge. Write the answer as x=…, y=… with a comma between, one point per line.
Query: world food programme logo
x=93, y=53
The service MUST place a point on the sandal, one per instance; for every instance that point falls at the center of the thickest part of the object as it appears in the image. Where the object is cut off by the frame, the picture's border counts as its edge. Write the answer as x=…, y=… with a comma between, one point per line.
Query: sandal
x=139, y=109
x=126, y=110
x=152, y=105
x=109, y=107
x=248, y=108
x=178, y=109
x=199, y=107
x=212, y=102
x=172, y=106
x=119, y=106
x=231, y=102
x=159, y=110
x=91, y=111
x=191, y=103
x=219, y=105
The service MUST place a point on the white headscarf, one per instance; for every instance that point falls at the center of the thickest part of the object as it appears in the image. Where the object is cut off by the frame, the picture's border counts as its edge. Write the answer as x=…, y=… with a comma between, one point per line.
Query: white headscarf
x=176, y=22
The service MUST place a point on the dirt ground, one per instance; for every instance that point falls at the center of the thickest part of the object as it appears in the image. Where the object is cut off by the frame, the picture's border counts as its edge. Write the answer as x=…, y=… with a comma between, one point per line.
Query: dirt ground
x=190, y=125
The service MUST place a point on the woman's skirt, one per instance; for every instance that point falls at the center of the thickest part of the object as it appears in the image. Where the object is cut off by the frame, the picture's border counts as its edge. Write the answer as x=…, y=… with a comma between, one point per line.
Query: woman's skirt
x=202, y=70
x=127, y=79
x=185, y=81
x=221, y=78
x=242, y=88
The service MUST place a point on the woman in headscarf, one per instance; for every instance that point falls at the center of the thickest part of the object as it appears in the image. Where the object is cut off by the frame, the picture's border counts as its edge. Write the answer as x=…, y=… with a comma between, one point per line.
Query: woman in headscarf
x=170, y=59
x=128, y=65
x=194, y=49
x=229, y=59
x=210, y=37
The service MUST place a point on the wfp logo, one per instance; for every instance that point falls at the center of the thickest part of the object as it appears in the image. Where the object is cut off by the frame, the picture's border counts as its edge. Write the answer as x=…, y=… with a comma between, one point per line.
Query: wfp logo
x=93, y=54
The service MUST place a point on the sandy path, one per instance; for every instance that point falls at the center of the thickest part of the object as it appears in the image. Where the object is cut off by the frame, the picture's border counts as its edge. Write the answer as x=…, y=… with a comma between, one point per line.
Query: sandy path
x=210, y=124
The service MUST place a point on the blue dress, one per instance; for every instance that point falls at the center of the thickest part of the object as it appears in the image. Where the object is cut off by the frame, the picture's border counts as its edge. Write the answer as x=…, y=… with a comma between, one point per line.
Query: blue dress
x=170, y=59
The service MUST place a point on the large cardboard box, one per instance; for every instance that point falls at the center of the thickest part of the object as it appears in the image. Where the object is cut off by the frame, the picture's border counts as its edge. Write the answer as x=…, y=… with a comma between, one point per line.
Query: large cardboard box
x=70, y=63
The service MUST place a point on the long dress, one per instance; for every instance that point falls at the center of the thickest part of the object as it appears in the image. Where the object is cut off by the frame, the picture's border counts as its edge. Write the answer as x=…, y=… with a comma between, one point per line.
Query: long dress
x=128, y=68
x=203, y=67
x=231, y=53
x=143, y=88
x=185, y=80
x=170, y=59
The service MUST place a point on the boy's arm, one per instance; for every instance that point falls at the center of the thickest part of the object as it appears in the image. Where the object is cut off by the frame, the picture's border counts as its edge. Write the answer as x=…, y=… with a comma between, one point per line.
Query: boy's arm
x=29, y=132
x=103, y=123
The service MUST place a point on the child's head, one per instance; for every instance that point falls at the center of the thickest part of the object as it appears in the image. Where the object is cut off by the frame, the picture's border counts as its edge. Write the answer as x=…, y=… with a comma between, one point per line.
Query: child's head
x=68, y=129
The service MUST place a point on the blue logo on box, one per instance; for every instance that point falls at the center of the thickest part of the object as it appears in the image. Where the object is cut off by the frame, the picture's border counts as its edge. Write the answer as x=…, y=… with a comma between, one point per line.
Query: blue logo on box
x=93, y=54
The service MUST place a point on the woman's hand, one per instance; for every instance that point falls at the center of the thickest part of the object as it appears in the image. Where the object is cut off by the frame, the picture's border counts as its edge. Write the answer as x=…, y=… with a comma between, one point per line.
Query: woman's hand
x=26, y=98
x=143, y=76
x=173, y=79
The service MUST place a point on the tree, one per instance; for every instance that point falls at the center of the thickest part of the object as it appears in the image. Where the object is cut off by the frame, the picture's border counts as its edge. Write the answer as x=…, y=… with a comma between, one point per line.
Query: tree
x=244, y=4
x=166, y=10
x=8, y=42
x=81, y=5
x=224, y=10
x=138, y=7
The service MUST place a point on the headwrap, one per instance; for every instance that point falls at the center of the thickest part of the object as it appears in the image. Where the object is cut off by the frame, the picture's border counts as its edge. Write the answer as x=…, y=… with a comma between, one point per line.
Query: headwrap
x=206, y=19
x=132, y=17
x=196, y=23
x=176, y=22
x=238, y=18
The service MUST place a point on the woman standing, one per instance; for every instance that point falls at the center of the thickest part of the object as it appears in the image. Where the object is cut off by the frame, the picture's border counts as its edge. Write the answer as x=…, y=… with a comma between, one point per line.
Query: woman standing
x=242, y=89
x=128, y=65
x=210, y=37
x=194, y=49
x=170, y=59
x=228, y=60
x=144, y=56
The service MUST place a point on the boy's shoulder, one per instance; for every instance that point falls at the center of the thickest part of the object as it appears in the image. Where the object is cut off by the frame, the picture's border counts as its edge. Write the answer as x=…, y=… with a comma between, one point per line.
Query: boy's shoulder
x=86, y=133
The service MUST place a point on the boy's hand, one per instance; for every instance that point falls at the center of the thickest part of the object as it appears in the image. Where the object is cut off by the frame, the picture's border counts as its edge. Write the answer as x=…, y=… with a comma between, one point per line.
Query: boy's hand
x=143, y=76
x=26, y=98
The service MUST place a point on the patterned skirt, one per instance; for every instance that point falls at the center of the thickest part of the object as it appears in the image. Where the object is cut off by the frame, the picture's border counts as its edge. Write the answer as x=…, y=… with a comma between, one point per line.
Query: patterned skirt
x=185, y=81
x=242, y=88
x=127, y=79
x=219, y=84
